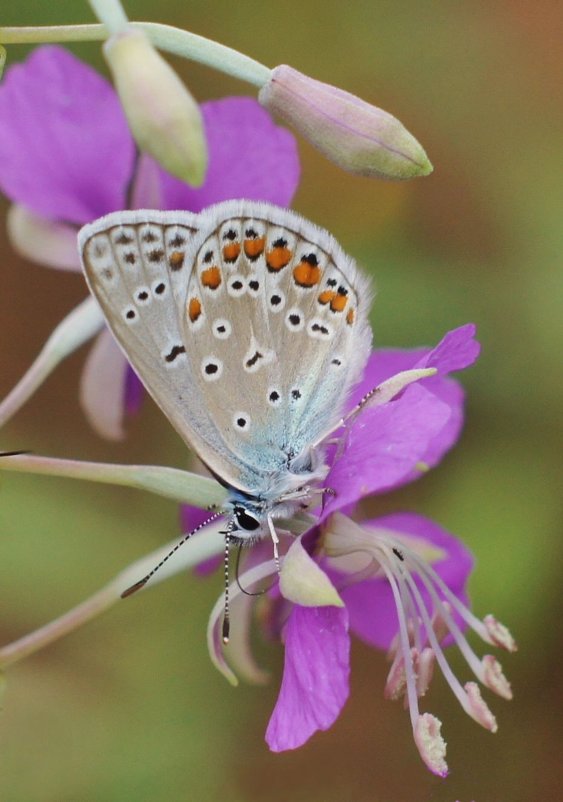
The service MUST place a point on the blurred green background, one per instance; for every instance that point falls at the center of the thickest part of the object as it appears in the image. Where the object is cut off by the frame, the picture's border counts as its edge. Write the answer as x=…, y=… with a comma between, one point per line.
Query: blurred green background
x=130, y=707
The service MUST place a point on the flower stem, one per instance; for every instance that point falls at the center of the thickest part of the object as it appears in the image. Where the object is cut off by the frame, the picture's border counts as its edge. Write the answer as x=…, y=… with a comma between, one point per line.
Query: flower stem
x=188, y=488
x=205, y=544
x=77, y=328
x=111, y=13
x=165, y=37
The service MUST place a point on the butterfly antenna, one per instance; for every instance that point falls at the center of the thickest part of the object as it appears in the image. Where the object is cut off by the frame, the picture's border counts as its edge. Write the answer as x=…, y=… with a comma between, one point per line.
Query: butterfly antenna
x=13, y=453
x=142, y=582
x=226, y=609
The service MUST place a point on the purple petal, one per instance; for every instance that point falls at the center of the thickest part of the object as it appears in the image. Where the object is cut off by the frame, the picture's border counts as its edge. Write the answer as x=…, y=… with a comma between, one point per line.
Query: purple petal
x=315, y=677
x=249, y=157
x=370, y=603
x=382, y=364
x=65, y=150
x=456, y=351
x=452, y=394
x=134, y=392
x=384, y=445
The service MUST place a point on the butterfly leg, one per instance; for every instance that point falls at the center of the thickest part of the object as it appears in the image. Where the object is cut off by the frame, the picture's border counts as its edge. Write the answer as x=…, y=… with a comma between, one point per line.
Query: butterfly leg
x=306, y=493
x=384, y=392
x=327, y=491
x=275, y=541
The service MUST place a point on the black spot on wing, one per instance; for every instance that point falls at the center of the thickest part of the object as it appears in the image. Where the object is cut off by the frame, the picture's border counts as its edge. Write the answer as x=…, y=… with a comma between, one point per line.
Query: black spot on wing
x=177, y=241
x=123, y=239
x=253, y=359
x=174, y=352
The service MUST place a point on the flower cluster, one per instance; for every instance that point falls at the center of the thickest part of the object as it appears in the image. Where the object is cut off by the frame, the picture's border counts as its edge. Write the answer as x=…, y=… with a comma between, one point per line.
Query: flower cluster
x=82, y=163
x=72, y=149
x=397, y=582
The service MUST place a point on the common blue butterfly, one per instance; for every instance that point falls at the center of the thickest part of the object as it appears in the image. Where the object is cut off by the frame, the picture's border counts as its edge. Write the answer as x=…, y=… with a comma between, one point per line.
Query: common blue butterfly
x=248, y=326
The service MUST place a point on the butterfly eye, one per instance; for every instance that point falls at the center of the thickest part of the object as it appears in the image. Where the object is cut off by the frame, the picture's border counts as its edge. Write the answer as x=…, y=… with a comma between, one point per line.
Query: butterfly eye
x=246, y=520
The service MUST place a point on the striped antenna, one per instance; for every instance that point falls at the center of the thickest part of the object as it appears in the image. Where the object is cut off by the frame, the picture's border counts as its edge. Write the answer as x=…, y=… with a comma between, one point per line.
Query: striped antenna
x=142, y=582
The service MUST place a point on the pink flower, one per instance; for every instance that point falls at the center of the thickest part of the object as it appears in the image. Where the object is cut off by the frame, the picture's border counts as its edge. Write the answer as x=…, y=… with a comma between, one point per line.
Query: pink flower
x=68, y=157
x=397, y=582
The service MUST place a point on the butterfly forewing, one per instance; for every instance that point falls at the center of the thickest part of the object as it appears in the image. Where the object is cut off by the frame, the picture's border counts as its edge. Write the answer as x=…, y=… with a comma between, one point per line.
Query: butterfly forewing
x=135, y=264
x=246, y=323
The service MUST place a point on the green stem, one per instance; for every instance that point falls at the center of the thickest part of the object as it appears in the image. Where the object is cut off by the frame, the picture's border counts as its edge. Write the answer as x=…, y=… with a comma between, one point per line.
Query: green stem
x=74, y=330
x=182, y=486
x=111, y=13
x=165, y=37
x=202, y=546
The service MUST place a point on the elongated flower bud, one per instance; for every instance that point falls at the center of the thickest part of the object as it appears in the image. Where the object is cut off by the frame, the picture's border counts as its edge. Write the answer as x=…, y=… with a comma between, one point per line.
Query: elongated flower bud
x=163, y=116
x=356, y=136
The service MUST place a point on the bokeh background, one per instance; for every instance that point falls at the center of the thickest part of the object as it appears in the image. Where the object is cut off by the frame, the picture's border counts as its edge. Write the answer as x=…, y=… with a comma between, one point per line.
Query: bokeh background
x=130, y=707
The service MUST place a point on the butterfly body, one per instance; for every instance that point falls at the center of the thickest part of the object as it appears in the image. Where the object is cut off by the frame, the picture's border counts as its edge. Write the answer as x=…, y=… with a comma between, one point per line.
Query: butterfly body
x=248, y=326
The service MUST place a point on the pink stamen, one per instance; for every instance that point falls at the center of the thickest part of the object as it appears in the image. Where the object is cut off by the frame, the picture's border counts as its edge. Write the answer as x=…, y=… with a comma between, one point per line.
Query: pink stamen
x=451, y=678
x=478, y=709
x=405, y=645
x=499, y=634
x=425, y=670
x=396, y=683
x=430, y=743
x=493, y=677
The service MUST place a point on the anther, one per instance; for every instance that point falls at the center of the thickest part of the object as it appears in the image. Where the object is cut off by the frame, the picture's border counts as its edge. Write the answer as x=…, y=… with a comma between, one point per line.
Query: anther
x=499, y=634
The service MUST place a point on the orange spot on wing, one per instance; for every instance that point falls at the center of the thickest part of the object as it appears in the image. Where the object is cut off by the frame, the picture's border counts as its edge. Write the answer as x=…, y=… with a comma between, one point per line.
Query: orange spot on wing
x=350, y=315
x=254, y=247
x=338, y=303
x=231, y=252
x=176, y=260
x=194, y=309
x=211, y=277
x=278, y=258
x=326, y=297
x=306, y=275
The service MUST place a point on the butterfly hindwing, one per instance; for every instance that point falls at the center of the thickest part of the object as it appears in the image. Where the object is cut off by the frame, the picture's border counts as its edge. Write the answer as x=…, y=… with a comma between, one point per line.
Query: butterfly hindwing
x=276, y=325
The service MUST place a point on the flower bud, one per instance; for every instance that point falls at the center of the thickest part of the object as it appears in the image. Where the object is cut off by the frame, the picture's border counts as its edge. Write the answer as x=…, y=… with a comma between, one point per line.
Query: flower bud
x=356, y=136
x=163, y=116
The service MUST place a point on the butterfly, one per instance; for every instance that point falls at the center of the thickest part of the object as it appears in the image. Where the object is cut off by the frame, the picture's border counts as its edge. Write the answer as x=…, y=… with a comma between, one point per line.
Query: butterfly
x=248, y=325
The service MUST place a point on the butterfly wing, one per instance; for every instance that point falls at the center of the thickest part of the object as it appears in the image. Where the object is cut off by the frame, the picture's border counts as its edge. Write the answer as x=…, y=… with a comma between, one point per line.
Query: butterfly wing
x=135, y=264
x=246, y=323
x=275, y=326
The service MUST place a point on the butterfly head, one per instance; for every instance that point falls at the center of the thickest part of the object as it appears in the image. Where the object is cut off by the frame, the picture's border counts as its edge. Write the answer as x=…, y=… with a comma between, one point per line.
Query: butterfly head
x=248, y=522
x=253, y=517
